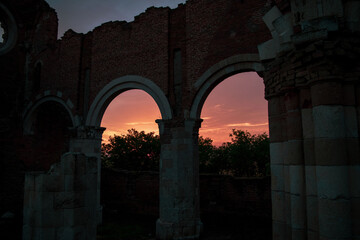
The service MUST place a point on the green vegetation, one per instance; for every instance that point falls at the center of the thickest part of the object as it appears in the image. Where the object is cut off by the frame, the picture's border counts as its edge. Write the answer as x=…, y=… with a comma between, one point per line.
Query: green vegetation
x=246, y=154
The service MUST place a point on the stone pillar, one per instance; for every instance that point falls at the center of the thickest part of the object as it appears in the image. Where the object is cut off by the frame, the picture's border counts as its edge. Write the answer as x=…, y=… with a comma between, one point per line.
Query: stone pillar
x=312, y=216
x=87, y=140
x=332, y=172
x=287, y=166
x=277, y=128
x=294, y=164
x=179, y=180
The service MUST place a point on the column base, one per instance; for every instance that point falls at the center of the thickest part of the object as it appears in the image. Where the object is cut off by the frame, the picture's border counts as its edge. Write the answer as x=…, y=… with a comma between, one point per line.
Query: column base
x=178, y=231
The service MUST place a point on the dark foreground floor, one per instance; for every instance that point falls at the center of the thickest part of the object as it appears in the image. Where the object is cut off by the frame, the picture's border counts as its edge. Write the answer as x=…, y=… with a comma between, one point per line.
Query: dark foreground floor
x=216, y=227
x=117, y=226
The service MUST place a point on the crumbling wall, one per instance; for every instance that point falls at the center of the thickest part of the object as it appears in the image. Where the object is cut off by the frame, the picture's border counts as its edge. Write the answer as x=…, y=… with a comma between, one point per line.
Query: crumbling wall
x=62, y=203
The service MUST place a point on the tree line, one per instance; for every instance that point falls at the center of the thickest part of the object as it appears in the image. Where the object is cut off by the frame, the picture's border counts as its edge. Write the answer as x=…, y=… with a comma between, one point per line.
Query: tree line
x=245, y=155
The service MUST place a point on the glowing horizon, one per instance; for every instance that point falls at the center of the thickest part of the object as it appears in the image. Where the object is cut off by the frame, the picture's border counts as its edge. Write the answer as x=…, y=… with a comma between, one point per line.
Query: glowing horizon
x=236, y=103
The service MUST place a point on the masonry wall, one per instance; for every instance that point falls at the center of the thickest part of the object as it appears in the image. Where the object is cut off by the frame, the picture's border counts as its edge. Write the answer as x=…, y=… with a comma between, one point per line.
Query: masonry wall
x=138, y=192
x=80, y=65
x=61, y=203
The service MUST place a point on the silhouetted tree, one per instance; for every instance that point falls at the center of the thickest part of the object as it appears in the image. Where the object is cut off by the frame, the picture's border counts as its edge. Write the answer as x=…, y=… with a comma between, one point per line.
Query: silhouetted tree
x=248, y=154
x=245, y=155
x=137, y=151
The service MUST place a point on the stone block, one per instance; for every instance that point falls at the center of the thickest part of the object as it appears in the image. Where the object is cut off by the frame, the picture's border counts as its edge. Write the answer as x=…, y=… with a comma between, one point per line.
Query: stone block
x=276, y=153
x=332, y=182
x=278, y=210
x=68, y=164
x=287, y=206
x=333, y=8
x=77, y=216
x=30, y=199
x=78, y=233
x=352, y=13
x=297, y=180
x=312, y=213
x=275, y=106
x=92, y=165
x=307, y=123
x=276, y=128
x=48, y=233
x=270, y=17
x=309, y=152
x=310, y=180
x=28, y=216
x=44, y=200
x=354, y=179
x=327, y=93
x=329, y=122
x=291, y=101
x=311, y=235
x=349, y=95
x=353, y=151
x=351, y=122
x=90, y=198
x=64, y=200
x=286, y=179
x=293, y=152
x=279, y=230
x=51, y=218
x=27, y=233
x=298, y=212
x=294, y=125
x=330, y=152
x=355, y=211
x=298, y=234
x=80, y=165
x=335, y=219
x=69, y=181
x=305, y=98
x=53, y=183
x=277, y=177
x=29, y=182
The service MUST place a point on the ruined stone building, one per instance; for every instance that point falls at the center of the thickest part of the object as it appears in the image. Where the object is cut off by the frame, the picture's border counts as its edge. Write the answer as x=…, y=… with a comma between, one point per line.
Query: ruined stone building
x=54, y=93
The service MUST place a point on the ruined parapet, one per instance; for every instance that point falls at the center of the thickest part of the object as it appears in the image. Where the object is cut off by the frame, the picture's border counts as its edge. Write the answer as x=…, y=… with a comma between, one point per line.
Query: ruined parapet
x=61, y=203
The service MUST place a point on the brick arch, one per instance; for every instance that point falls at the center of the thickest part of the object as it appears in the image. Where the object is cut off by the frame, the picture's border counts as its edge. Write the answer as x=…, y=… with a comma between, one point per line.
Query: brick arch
x=30, y=112
x=219, y=72
x=119, y=85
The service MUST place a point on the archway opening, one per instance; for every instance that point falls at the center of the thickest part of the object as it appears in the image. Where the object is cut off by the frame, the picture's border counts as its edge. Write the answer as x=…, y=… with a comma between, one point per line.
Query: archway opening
x=130, y=163
x=48, y=136
x=234, y=159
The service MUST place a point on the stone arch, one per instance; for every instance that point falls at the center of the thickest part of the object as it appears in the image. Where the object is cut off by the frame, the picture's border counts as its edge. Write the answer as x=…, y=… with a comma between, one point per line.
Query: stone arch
x=217, y=73
x=48, y=129
x=29, y=114
x=119, y=85
x=9, y=25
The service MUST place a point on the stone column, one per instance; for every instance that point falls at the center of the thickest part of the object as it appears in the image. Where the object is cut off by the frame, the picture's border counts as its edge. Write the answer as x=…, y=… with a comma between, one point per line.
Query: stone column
x=294, y=163
x=179, y=180
x=87, y=140
x=332, y=171
x=310, y=167
x=277, y=128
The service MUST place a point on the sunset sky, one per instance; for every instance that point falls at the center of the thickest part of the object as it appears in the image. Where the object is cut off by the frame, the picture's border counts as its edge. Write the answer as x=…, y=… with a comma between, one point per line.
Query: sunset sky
x=238, y=102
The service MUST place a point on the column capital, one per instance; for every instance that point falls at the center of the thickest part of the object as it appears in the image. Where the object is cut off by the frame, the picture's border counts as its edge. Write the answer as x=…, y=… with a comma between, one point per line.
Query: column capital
x=87, y=132
x=188, y=125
